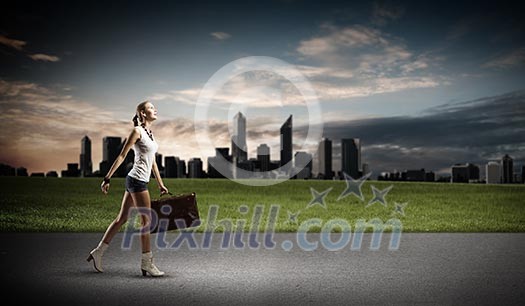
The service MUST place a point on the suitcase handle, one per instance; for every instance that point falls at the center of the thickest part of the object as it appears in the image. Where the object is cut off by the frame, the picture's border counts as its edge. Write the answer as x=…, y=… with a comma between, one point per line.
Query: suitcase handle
x=171, y=194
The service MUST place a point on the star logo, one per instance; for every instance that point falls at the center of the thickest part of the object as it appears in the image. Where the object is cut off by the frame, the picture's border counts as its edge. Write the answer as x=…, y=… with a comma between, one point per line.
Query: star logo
x=399, y=208
x=318, y=198
x=293, y=217
x=379, y=195
x=354, y=186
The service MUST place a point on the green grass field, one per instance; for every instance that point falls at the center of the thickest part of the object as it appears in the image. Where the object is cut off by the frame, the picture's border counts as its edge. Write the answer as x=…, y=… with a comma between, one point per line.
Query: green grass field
x=33, y=204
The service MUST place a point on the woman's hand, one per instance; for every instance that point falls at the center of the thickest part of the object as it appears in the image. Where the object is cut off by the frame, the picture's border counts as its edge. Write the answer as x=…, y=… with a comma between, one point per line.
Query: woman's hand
x=163, y=190
x=105, y=186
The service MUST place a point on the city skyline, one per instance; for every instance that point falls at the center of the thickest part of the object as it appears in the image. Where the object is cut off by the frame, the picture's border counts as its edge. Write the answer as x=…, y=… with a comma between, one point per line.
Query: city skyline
x=496, y=172
x=351, y=161
x=422, y=84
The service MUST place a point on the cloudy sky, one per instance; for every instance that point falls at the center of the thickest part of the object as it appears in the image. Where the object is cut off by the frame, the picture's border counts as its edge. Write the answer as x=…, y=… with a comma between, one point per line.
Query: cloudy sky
x=422, y=84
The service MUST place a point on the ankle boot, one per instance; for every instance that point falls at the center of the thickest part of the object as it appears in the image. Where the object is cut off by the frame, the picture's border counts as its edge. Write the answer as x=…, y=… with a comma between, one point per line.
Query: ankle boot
x=147, y=265
x=96, y=256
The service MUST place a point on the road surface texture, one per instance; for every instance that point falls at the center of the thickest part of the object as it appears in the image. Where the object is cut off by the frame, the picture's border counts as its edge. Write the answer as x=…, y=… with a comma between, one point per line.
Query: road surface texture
x=430, y=269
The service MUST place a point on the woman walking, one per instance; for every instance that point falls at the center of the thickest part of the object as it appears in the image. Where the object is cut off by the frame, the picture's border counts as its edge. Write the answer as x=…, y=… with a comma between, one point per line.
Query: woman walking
x=136, y=194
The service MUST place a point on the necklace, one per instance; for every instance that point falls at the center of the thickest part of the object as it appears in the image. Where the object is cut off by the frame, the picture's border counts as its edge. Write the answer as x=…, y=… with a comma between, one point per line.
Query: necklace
x=150, y=134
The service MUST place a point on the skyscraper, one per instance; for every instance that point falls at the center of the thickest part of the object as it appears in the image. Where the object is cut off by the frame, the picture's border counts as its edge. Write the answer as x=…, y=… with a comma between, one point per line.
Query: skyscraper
x=219, y=166
x=286, y=143
x=181, y=170
x=493, y=172
x=351, y=157
x=110, y=151
x=507, y=171
x=263, y=156
x=86, y=164
x=459, y=173
x=325, y=159
x=473, y=172
x=224, y=152
x=239, y=148
x=195, y=168
x=303, y=160
x=171, y=164
x=366, y=169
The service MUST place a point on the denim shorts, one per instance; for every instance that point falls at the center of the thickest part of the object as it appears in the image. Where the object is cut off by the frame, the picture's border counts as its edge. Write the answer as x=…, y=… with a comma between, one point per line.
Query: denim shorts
x=134, y=185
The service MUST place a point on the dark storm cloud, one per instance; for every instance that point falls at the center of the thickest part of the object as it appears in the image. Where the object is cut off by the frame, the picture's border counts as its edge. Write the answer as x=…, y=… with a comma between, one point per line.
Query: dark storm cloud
x=474, y=131
x=483, y=123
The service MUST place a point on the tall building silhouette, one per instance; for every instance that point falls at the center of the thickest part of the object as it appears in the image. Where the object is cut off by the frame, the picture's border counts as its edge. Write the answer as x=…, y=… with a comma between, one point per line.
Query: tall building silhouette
x=72, y=170
x=170, y=166
x=219, y=165
x=366, y=169
x=239, y=148
x=493, y=172
x=181, y=170
x=351, y=157
x=325, y=159
x=224, y=152
x=195, y=168
x=286, y=143
x=507, y=171
x=263, y=157
x=86, y=164
x=303, y=160
x=465, y=173
x=110, y=151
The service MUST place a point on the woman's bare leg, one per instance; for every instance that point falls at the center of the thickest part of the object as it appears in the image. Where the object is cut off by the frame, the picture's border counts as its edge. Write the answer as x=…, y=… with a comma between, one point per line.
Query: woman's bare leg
x=122, y=217
x=142, y=199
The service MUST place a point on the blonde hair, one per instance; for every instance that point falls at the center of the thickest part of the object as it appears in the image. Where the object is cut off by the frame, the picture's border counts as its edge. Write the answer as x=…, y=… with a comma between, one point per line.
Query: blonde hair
x=138, y=119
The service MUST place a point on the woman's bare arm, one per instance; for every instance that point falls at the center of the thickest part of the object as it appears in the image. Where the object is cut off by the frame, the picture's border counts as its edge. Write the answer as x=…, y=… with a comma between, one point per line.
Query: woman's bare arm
x=156, y=173
x=133, y=137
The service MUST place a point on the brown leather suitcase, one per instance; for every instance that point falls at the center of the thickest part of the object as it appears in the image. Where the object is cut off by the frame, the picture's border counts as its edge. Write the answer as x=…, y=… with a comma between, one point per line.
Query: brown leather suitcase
x=175, y=212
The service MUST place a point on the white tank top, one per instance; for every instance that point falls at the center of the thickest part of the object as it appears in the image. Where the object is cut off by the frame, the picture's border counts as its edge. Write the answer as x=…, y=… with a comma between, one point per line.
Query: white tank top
x=145, y=150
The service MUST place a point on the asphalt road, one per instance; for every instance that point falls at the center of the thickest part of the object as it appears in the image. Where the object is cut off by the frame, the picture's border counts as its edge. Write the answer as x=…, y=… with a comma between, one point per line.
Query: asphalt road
x=430, y=269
